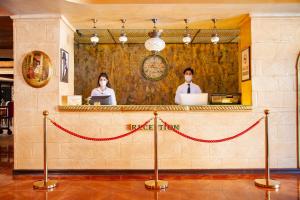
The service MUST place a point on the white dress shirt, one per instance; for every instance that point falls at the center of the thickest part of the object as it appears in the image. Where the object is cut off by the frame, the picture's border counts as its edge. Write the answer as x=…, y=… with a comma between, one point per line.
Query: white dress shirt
x=106, y=92
x=182, y=89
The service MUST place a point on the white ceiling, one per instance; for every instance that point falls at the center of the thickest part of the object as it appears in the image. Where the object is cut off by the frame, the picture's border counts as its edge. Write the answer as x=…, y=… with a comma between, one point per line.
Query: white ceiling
x=138, y=15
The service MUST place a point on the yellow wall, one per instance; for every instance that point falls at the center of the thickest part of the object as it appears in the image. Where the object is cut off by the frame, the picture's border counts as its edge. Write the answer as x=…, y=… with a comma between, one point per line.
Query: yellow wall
x=245, y=42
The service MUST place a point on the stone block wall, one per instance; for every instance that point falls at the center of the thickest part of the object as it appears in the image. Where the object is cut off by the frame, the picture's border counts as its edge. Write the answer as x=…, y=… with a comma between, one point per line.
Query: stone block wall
x=273, y=64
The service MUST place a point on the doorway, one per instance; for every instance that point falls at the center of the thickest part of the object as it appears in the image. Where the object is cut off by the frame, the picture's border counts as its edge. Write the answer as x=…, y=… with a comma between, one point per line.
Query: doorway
x=298, y=107
x=6, y=91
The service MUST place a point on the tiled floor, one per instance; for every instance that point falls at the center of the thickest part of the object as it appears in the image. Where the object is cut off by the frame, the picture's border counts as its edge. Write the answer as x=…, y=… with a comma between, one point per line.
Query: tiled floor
x=232, y=187
x=6, y=139
x=6, y=147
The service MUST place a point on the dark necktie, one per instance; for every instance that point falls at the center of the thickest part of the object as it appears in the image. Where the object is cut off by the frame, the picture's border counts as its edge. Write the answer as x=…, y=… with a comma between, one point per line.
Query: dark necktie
x=189, y=89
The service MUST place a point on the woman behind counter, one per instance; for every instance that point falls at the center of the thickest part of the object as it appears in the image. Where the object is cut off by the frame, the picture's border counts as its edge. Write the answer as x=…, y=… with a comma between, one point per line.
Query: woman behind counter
x=104, y=89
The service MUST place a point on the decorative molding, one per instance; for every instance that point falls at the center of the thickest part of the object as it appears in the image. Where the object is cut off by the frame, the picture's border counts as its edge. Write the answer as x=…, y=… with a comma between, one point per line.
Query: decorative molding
x=45, y=16
x=128, y=108
x=274, y=15
x=66, y=21
x=245, y=20
x=36, y=16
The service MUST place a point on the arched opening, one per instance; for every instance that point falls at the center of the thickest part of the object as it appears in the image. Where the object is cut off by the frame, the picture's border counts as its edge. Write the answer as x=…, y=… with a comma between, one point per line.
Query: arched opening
x=298, y=106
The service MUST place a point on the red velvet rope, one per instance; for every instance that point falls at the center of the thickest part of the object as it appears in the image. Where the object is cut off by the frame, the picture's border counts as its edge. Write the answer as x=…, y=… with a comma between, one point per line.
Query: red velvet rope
x=99, y=139
x=210, y=141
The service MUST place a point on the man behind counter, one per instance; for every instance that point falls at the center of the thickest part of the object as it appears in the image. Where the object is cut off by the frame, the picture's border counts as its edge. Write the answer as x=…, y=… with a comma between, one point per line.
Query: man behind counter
x=187, y=87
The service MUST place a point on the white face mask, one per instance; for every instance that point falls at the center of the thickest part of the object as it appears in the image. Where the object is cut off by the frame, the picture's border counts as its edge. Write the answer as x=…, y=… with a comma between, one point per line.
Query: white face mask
x=103, y=83
x=188, y=78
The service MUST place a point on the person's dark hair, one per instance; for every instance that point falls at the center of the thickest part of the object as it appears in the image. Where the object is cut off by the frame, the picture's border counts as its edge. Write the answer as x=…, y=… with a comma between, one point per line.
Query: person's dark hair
x=188, y=69
x=103, y=74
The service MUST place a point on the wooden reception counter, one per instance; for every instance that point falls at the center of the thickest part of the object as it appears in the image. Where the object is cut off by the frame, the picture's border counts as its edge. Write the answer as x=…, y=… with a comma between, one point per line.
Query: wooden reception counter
x=211, y=122
x=92, y=108
x=136, y=150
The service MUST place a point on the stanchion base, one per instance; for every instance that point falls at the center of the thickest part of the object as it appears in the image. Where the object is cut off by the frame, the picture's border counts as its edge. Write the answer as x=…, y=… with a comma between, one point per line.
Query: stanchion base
x=263, y=183
x=42, y=185
x=160, y=185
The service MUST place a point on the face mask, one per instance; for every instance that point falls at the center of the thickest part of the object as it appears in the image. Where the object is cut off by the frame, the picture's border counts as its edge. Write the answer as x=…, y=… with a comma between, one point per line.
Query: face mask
x=188, y=78
x=103, y=83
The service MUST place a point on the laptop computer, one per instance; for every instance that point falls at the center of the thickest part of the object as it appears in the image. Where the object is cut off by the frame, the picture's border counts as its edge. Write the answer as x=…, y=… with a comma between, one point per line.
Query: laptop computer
x=194, y=99
x=102, y=100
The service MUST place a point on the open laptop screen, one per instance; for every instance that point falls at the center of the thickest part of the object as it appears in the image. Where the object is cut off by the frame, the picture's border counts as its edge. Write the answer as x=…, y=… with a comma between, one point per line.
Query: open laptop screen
x=194, y=99
x=103, y=100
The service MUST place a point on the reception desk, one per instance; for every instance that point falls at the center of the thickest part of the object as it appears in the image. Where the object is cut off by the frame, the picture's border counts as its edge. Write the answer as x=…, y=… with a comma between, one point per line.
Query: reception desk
x=136, y=150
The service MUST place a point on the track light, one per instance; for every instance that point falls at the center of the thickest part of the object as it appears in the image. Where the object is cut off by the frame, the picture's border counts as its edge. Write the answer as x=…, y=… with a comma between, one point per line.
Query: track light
x=94, y=39
x=123, y=38
x=186, y=37
x=214, y=37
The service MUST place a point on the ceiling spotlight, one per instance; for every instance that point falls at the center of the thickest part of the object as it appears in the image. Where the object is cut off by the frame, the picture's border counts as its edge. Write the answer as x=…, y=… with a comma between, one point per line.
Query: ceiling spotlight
x=214, y=37
x=94, y=39
x=186, y=37
x=123, y=38
x=155, y=43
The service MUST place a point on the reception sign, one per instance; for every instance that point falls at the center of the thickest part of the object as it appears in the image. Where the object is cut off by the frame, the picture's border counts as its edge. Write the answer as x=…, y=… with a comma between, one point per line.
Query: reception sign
x=150, y=127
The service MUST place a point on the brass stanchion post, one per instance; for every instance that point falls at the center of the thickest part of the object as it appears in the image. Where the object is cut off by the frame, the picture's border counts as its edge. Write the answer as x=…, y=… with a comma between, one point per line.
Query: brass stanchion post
x=46, y=183
x=268, y=195
x=156, y=184
x=267, y=182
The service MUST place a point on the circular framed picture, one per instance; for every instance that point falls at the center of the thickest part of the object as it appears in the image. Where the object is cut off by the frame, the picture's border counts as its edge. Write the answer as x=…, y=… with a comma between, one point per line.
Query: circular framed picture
x=154, y=68
x=37, y=69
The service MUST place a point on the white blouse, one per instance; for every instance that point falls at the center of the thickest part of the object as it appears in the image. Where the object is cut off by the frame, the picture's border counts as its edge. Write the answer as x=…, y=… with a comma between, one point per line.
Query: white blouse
x=106, y=92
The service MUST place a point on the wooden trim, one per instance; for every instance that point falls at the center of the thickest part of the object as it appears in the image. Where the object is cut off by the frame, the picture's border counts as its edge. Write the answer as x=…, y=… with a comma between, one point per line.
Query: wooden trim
x=297, y=114
x=121, y=172
x=6, y=64
x=128, y=108
x=195, y=36
x=244, y=20
x=274, y=15
x=112, y=37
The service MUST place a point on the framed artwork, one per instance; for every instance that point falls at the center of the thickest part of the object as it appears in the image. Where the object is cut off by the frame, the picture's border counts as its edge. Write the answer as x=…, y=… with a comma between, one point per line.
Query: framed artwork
x=37, y=69
x=64, y=66
x=246, y=68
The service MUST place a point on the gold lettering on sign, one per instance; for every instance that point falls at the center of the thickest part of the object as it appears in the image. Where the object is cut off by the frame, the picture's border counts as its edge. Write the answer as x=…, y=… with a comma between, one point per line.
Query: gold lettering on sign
x=150, y=127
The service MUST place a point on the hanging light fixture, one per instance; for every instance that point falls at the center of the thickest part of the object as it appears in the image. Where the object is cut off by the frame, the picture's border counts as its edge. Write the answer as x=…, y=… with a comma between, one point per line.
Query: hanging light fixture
x=94, y=39
x=214, y=37
x=155, y=43
x=123, y=38
x=186, y=37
